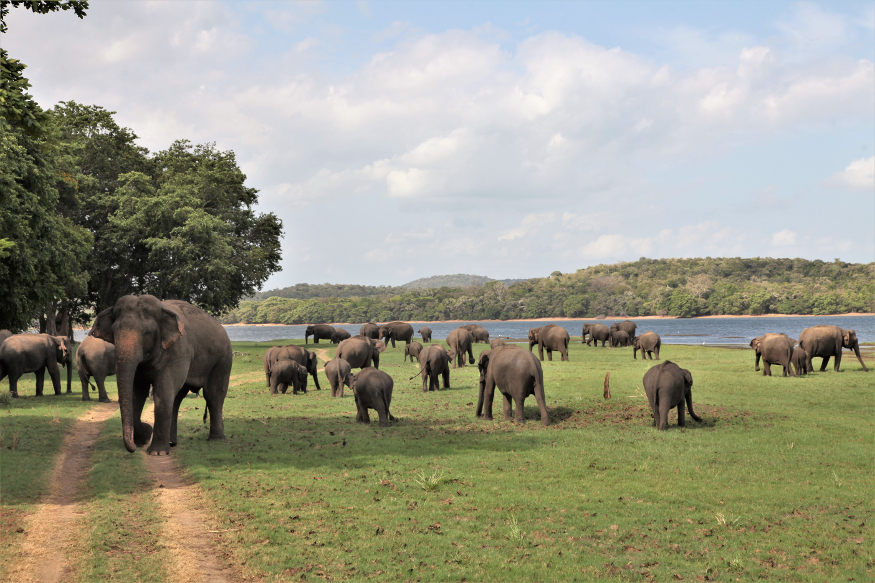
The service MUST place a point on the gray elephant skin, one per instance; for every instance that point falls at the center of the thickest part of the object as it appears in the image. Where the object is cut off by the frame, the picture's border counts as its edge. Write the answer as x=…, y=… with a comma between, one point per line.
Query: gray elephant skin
x=627, y=326
x=287, y=372
x=339, y=336
x=596, y=332
x=668, y=386
x=434, y=363
x=299, y=354
x=800, y=362
x=425, y=332
x=36, y=353
x=827, y=341
x=647, y=343
x=517, y=374
x=318, y=332
x=372, y=389
x=173, y=346
x=337, y=370
x=370, y=330
x=95, y=358
x=480, y=335
x=396, y=331
x=497, y=342
x=461, y=341
x=4, y=334
x=619, y=338
x=360, y=352
x=412, y=350
x=773, y=349
x=550, y=337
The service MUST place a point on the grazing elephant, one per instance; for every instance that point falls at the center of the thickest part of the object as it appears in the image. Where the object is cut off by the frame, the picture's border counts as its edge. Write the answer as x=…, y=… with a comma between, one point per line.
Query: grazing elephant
x=370, y=330
x=173, y=346
x=24, y=353
x=412, y=350
x=318, y=332
x=372, y=389
x=647, y=343
x=628, y=327
x=360, y=352
x=396, y=331
x=551, y=337
x=498, y=342
x=337, y=370
x=460, y=342
x=434, y=361
x=667, y=386
x=425, y=332
x=620, y=338
x=596, y=332
x=304, y=357
x=827, y=341
x=518, y=374
x=480, y=335
x=95, y=358
x=4, y=334
x=774, y=349
x=800, y=362
x=339, y=336
x=287, y=372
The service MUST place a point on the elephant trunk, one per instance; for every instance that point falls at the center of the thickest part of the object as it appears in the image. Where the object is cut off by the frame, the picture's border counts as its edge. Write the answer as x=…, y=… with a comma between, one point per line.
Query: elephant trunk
x=860, y=358
x=129, y=354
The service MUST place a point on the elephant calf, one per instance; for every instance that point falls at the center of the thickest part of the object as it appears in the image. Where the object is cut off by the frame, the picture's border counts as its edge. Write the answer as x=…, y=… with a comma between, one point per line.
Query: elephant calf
x=95, y=358
x=339, y=336
x=434, y=362
x=412, y=350
x=773, y=349
x=286, y=372
x=337, y=370
x=425, y=332
x=800, y=361
x=667, y=386
x=372, y=389
x=647, y=343
x=620, y=338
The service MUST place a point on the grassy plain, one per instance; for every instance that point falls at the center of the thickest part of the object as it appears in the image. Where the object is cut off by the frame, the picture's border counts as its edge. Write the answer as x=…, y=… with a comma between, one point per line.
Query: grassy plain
x=776, y=484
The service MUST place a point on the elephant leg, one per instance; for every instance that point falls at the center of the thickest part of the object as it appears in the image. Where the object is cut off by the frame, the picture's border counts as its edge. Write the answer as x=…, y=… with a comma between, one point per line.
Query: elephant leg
x=564, y=355
x=838, y=361
x=426, y=379
x=508, y=406
x=55, y=375
x=664, y=408
x=83, y=378
x=142, y=431
x=101, y=389
x=177, y=401
x=682, y=418
x=283, y=387
x=13, y=385
x=823, y=363
x=383, y=414
x=520, y=416
x=488, y=395
x=215, y=391
x=549, y=355
x=540, y=353
x=40, y=375
x=446, y=375
x=654, y=409
x=767, y=368
x=163, y=397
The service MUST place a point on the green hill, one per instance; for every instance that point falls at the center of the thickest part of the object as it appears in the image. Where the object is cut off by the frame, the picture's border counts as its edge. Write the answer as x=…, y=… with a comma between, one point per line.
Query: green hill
x=457, y=280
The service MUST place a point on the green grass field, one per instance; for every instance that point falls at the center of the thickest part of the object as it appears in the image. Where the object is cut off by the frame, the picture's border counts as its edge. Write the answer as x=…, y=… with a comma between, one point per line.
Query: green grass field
x=775, y=484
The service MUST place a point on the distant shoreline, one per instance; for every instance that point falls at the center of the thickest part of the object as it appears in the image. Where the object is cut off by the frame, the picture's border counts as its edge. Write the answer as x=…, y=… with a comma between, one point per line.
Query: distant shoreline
x=591, y=319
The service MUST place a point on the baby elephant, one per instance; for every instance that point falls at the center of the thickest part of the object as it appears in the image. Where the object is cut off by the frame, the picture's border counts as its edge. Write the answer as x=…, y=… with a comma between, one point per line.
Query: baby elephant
x=667, y=386
x=800, y=361
x=412, y=350
x=372, y=389
x=337, y=370
x=286, y=372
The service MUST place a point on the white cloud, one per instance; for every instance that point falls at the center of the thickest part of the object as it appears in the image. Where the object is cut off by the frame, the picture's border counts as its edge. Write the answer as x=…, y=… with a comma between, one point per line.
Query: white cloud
x=529, y=224
x=859, y=175
x=784, y=238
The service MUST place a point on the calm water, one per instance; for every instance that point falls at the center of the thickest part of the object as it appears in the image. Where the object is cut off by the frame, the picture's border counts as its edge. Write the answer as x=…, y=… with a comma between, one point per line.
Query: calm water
x=672, y=331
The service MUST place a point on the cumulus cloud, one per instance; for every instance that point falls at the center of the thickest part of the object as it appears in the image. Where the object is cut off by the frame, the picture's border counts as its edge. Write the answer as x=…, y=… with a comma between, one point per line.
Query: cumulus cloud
x=859, y=175
x=784, y=238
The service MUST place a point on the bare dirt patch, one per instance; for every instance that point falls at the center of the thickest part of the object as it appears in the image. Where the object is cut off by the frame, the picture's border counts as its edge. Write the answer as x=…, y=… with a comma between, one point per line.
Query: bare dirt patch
x=49, y=532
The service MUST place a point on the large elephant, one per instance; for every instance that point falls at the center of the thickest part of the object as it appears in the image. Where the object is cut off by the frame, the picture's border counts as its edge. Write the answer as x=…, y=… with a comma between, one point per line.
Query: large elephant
x=597, y=332
x=370, y=330
x=627, y=326
x=95, y=358
x=800, y=361
x=339, y=336
x=647, y=343
x=318, y=332
x=372, y=389
x=299, y=354
x=412, y=350
x=667, y=386
x=268, y=358
x=360, y=352
x=827, y=341
x=460, y=342
x=287, y=372
x=434, y=362
x=773, y=349
x=24, y=353
x=336, y=370
x=396, y=331
x=518, y=374
x=551, y=337
x=173, y=346
x=425, y=332
x=620, y=338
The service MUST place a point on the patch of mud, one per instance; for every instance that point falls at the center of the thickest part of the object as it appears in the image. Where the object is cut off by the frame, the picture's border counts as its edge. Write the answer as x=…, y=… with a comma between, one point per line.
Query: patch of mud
x=637, y=412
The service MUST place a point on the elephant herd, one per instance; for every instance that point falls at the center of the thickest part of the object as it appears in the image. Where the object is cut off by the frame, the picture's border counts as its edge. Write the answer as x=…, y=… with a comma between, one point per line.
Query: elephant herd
x=623, y=334
x=823, y=341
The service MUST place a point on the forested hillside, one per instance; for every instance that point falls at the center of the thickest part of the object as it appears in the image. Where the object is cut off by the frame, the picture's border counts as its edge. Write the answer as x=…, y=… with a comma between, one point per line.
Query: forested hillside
x=674, y=287
x=306, y=291
x=457, y=280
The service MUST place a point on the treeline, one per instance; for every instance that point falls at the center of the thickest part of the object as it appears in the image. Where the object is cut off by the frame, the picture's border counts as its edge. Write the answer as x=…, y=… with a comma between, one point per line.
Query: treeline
x=306, y=291
x=647, y=287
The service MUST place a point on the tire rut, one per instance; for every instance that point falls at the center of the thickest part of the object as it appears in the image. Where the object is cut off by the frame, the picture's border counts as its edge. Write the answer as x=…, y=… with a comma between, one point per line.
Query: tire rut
x=51, y=530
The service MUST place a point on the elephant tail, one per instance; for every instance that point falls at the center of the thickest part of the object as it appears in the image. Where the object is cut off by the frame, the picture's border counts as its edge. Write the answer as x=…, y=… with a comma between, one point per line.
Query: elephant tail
x=386, y=404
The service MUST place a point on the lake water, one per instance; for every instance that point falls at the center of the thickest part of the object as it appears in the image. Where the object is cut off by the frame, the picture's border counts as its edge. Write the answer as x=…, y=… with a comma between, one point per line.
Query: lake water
x=708, y=331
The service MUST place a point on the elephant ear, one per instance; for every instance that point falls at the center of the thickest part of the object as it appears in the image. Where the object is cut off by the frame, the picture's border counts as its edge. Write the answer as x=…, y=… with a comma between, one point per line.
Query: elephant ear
x=846, y=338
x=452, y=354
x=483, y=362
x=688, y=378
x=102, y=327
x=171, y=327
x=379, y=346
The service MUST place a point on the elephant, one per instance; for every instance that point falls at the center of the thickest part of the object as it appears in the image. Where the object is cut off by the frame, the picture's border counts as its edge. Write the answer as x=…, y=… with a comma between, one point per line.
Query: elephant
x=498, y=342
x=95, y=358
x=774, y=349
x=370, y=330
x=434, y=361
x=336, y=370
x=299, y=354
x=425, y=332
x=460, y=342
x=287, y=372
x=551, y=337
x=647, y=343
x=596, y=332
x=628, y=327
x=620, y=338
x=667, y=386
x=175, y=347
x=472, y=327
x=268, y=358
x=518, y=374
x=827, y=341
x=412, y=350
x=24, y=353
x=396, y=331
x=480, y=335
x=4, y=334
x=372, y=389
x=800, y=361
x=360, y=352
x=318, y=332
x=339, y=336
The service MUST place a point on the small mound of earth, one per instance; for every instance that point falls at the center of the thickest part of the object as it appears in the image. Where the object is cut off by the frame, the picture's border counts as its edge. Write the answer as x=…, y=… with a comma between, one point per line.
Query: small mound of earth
x=618, y=412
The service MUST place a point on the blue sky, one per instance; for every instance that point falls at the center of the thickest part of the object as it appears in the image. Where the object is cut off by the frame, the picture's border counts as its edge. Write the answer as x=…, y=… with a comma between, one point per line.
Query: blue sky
x=399, y=140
